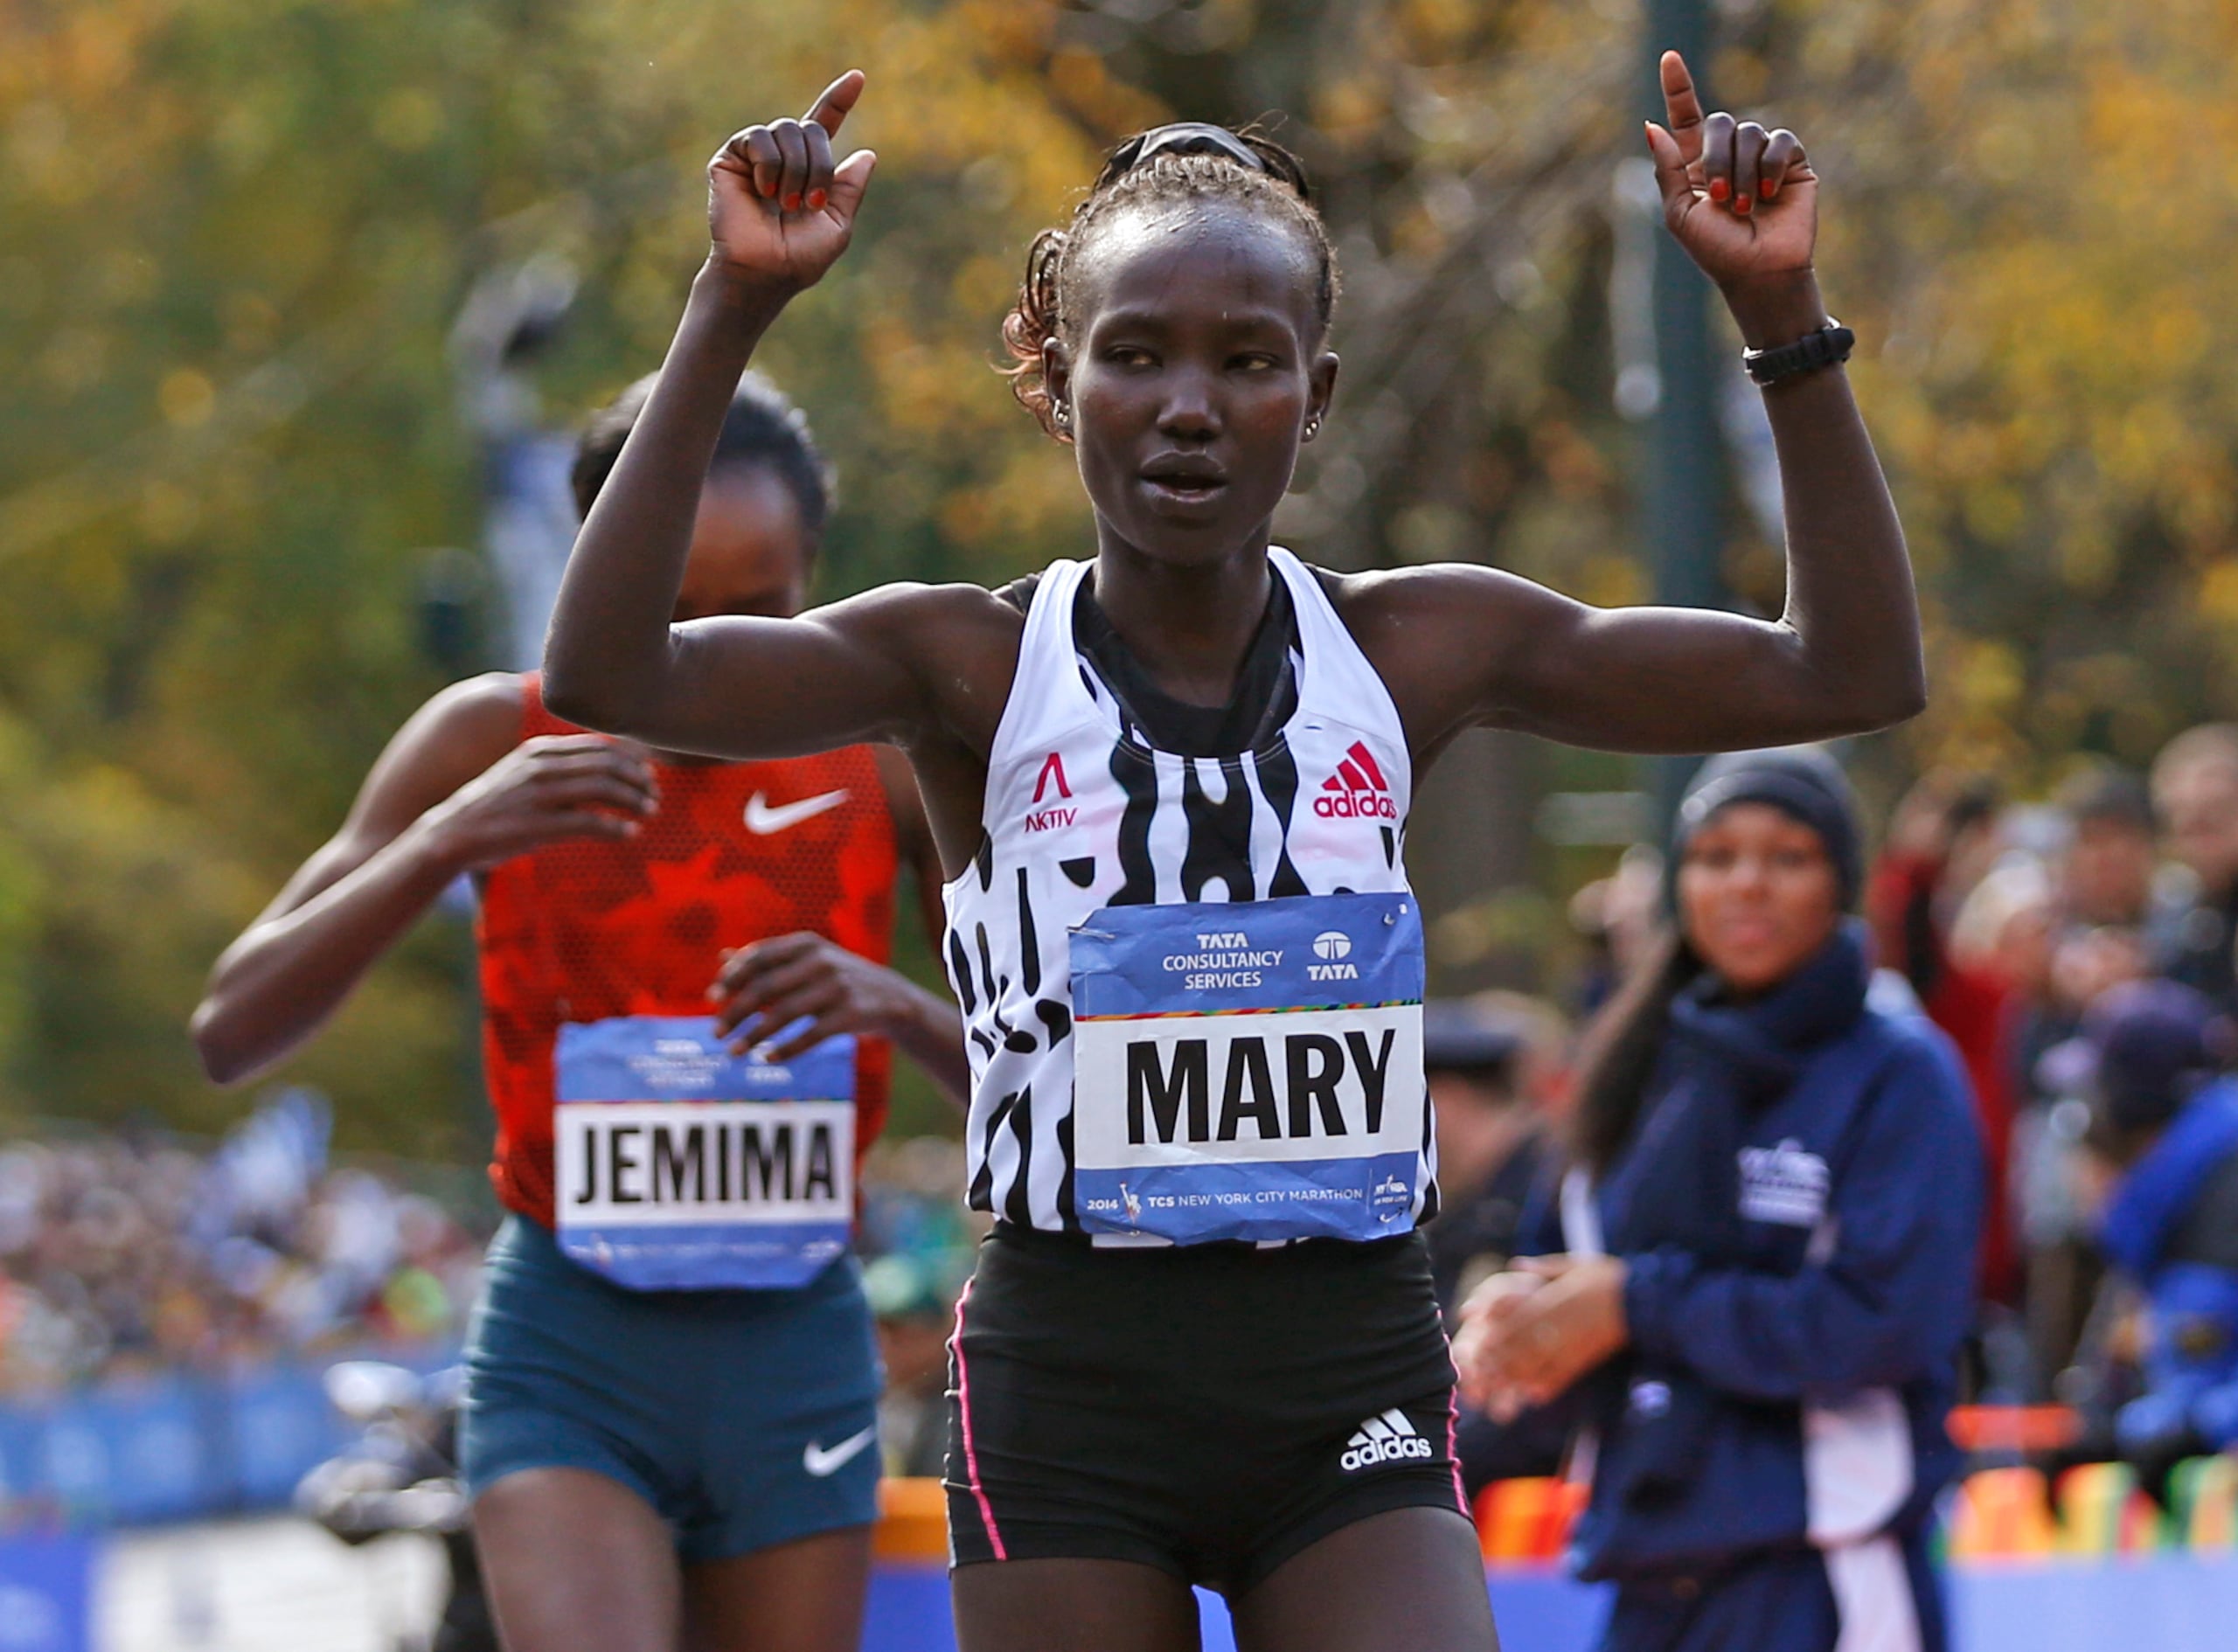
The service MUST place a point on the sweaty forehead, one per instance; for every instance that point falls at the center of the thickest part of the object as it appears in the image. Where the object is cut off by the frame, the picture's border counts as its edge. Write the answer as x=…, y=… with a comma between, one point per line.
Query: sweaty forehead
x=1196, y=262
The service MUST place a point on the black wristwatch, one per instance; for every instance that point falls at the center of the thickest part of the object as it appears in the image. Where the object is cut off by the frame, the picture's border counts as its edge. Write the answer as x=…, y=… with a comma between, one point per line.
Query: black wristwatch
x=1822, y=347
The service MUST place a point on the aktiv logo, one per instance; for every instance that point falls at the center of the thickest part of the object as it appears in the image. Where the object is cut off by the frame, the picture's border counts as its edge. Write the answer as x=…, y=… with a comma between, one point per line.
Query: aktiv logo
x=1044, y=820
x=1357, y=790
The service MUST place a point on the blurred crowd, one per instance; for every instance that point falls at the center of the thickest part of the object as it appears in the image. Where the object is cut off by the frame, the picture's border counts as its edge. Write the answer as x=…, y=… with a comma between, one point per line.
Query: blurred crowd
x=128, y=1252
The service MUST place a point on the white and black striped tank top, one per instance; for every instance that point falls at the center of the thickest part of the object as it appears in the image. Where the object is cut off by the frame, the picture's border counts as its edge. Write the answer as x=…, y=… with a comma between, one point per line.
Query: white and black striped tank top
x=1084, y=814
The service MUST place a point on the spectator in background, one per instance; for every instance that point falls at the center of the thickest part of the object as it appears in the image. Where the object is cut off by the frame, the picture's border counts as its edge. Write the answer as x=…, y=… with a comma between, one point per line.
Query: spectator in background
x=2195, y=789
x=1484, y=1080
x=1943, y=841
x=916, y=1241
x=2010, y=928
x=112, y=1262
x=2163, y=1135
x=2106, y=873
x=1619, y=918
x=1756, y=1314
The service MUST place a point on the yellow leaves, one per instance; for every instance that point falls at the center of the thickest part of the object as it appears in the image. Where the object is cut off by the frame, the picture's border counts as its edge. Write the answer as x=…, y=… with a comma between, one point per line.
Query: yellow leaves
x=39, y=155
x=984, y=285
x=97, y=50
x=168, y=513
x=928, y=385
x=74, y=360
x=1436, y=25
x=1113, y=107
x=1991, y=677
x=187, y=398
x=1032, y=501
x=1609, y=581
x=2218, y=593
x=408, y=119
x=1351, y=108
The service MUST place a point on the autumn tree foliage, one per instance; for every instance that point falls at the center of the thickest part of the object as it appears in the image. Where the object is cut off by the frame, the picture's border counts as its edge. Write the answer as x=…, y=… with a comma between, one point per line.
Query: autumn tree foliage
x=237, y=233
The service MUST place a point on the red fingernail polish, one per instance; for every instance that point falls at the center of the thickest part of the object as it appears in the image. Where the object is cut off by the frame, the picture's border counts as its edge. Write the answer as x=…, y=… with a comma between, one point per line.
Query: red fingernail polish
x=816, y=200
x=1719, y=189
x=1741, y=205
x=1770, y=189
x=792, y=203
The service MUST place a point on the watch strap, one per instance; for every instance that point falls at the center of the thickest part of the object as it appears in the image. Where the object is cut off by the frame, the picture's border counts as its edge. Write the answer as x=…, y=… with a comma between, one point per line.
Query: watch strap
x=1821, y=347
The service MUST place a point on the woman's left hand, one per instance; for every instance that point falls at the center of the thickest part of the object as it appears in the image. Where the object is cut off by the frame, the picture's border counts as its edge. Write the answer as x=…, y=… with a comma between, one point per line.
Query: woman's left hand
x=1743, y=202
x=765, y=988
x=1545, y=1339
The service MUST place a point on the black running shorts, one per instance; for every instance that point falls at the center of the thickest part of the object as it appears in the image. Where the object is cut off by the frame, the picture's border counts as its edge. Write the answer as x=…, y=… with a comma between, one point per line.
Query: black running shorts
x=1210, y=1410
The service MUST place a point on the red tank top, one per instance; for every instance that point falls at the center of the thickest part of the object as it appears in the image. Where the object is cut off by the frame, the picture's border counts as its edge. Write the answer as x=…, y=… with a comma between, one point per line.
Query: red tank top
x=585, y=931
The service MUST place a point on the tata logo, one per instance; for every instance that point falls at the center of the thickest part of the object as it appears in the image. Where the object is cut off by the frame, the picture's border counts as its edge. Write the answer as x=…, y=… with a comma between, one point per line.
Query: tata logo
x=1333, y=946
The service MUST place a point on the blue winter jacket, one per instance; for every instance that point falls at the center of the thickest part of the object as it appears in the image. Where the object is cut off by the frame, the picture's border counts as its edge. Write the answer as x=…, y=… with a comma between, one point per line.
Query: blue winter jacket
x=2170, y=1226
x=1797, y=1206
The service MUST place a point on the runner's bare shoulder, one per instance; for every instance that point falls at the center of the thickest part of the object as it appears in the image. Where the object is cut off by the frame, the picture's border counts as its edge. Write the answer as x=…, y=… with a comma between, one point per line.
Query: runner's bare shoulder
x=959, y=641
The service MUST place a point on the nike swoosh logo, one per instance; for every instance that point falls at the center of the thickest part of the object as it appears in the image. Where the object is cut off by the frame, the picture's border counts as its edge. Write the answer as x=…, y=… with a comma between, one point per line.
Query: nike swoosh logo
x=761, y=820
x=821, y=1461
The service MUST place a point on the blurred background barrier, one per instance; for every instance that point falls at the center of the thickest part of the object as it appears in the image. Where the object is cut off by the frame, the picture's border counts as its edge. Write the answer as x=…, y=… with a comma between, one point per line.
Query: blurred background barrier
x=172, y=1446
x=47, y=1593
x=269, y=1585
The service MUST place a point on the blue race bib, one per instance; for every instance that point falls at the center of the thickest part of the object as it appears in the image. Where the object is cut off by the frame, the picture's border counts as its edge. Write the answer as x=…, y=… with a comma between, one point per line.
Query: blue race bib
x=683, y=1167
x=1250, y=1071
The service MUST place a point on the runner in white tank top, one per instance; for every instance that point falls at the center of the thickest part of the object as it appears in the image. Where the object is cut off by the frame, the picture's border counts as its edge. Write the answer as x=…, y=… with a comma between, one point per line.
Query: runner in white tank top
x=1082, y=814
x=1183, y=1028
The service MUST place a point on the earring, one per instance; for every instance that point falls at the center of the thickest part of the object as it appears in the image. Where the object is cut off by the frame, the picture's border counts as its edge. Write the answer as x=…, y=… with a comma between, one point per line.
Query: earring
x=1060, y=412
x=1312, y=429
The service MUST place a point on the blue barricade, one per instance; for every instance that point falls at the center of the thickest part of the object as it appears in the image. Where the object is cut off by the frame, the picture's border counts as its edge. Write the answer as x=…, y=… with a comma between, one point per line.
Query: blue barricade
x=2062, y=1605
x=172, y=1447
x=2172, y=1600
x=908, y=1611
x=47, y=1593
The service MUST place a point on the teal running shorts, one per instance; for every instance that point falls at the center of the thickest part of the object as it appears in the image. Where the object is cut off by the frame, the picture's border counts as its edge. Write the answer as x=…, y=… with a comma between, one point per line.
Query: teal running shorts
x=745, y=1418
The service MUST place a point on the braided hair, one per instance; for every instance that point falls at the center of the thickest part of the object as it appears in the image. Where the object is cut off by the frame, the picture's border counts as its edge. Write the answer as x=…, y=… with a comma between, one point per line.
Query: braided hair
x=762, y=428
x=1044, y=309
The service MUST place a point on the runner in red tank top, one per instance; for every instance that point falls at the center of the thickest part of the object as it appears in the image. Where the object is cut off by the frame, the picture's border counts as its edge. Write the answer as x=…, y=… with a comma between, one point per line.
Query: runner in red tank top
x=582, y=931
x=652, y=1455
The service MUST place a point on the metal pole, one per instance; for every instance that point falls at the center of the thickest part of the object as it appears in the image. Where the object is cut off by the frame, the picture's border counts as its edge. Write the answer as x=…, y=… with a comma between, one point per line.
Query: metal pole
x=1683, y=520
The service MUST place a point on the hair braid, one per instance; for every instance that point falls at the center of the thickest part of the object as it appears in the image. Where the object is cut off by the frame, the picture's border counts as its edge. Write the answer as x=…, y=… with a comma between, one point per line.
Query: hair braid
x=1040, y=312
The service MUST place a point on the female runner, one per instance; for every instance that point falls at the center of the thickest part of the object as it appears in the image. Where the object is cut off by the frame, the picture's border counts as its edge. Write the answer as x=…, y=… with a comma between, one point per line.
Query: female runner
x=670, y=1416
x=1169, y=789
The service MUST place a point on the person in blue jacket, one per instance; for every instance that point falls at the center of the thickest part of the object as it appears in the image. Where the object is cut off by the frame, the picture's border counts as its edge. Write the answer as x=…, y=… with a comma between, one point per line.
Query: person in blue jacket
x=1753, y=1323
x=2150, y=1061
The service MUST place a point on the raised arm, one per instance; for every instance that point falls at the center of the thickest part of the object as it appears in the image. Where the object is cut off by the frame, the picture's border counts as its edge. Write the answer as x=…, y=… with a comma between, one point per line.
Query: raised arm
x=1845, y=656
x=780, y=213
x=456, y=790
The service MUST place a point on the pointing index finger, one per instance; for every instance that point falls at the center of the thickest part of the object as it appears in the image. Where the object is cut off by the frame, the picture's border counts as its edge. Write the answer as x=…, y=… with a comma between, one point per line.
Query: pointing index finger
x=838, y=102
x=1682, y=106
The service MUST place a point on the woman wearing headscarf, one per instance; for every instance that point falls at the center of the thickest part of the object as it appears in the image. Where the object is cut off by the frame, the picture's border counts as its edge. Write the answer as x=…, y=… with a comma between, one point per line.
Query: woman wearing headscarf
x=1753, y=1325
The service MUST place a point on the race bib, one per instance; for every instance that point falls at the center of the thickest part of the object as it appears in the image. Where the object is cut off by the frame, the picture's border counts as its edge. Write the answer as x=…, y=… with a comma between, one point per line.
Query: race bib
x=683, y=1167
x=1249, y=1071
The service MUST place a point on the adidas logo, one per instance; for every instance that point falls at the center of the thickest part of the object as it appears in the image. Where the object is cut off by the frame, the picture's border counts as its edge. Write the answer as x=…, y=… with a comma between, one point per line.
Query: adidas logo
x=1389, y=1438
x=1357, y=790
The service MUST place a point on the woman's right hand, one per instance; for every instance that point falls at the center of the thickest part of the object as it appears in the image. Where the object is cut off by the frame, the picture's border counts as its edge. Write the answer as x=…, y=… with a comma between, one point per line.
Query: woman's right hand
x=779, y=211
x=546, y=790
x=1484, y=1318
